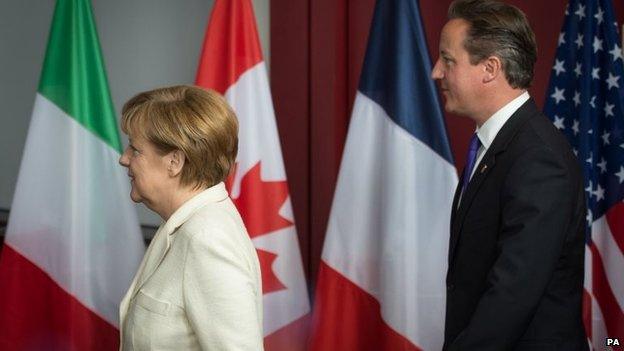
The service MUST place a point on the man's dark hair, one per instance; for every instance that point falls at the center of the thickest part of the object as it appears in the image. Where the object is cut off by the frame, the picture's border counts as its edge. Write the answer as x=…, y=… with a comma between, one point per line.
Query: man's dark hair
x=500, y=30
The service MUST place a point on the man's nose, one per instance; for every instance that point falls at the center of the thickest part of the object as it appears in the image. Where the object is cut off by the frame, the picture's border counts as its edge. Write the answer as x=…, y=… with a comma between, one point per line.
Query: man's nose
x=436, y=72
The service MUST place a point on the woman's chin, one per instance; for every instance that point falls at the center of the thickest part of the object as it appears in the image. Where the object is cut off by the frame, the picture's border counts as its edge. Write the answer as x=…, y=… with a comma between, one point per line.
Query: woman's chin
x=135, y=197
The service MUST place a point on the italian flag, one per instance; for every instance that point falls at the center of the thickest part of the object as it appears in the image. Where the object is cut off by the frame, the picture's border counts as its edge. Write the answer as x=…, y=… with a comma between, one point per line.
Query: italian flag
x=232, y=64
x=73, y=241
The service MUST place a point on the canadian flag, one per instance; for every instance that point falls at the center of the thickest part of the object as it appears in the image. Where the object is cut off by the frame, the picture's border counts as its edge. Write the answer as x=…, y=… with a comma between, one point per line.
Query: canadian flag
x=231, y=63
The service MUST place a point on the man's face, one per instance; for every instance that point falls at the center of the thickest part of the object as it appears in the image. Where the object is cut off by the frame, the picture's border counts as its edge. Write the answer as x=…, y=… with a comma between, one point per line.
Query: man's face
x=459, y=80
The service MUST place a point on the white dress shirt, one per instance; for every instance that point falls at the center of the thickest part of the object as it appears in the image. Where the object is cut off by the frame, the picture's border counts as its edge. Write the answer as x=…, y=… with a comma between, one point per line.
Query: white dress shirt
x=488, y=131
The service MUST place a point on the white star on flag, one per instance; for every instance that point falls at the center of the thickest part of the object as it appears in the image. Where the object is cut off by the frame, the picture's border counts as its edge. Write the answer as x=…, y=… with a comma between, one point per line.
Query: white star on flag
x=561, y=39
x=600, y=15
x=558, y=95
x=605, y=138
x=620, y=174
x=575, y=127
x=579, y=41
x=559, y=122
x=602, y=165
x=577, y=70
x=612, y=81
x=592, y=102
x=599, y=193
x=616, y=52
x=559, y=67
x=595, y=72
x=608, y=109
x=580, y=11
x=597, y=44
x=577, y=98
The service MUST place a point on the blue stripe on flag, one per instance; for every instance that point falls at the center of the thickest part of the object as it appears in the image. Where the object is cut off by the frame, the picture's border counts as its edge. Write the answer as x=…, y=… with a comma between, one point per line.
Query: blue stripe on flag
x=396, y=73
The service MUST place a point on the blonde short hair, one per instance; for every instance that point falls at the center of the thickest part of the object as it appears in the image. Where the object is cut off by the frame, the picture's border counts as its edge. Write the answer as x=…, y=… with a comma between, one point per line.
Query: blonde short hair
x=196, y=121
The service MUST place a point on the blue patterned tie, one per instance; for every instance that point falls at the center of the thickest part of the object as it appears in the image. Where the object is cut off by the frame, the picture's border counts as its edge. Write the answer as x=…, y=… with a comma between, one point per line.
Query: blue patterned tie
x=475, y=143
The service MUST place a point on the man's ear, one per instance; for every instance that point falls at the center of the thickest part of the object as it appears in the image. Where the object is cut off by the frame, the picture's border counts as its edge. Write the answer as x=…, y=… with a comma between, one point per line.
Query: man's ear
x=176, y=161
x=492, y=68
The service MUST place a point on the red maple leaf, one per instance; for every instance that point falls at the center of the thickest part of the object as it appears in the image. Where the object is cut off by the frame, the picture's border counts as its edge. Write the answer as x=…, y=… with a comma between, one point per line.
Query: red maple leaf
x=259, y=203
x=270, y=282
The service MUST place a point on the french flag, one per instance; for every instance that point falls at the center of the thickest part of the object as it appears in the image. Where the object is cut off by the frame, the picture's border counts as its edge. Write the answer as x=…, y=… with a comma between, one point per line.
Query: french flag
x=381, y=280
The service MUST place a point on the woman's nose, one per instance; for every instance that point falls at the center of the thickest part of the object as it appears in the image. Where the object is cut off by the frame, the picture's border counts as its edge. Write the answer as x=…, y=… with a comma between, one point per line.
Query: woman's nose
x=123, y=159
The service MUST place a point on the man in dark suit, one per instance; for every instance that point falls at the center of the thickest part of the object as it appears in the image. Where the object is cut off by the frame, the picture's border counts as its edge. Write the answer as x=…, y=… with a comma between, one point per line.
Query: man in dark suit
x=516, y=253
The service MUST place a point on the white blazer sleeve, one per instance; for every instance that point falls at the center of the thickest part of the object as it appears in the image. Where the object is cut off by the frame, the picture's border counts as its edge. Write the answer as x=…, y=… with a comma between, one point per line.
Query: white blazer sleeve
x=219, y=292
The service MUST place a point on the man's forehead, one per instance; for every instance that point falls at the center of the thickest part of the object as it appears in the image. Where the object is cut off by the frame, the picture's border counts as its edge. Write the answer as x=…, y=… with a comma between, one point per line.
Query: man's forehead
x=456, y=27
x=453, y=34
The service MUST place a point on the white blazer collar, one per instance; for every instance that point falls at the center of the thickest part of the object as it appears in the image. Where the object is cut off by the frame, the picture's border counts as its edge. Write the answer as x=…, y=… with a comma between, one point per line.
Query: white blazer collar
x=215, y=193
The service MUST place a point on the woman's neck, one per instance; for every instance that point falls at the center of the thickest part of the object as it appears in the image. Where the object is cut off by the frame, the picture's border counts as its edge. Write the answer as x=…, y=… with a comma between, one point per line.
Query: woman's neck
x=176, y=199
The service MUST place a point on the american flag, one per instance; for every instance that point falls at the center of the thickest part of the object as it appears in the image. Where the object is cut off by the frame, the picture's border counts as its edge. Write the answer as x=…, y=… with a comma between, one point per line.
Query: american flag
x=585, y=101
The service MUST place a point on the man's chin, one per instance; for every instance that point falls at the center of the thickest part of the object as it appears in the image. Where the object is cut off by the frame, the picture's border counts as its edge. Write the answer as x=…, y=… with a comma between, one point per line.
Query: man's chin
x=452, y=109
x=449, y=108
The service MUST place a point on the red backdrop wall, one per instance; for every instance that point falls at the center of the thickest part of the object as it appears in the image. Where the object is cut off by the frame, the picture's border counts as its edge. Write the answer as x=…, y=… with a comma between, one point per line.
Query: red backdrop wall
x=317, y=50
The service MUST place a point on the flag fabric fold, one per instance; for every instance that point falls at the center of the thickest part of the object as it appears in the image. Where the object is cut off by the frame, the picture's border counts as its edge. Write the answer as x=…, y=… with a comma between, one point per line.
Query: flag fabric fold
x=231, y=63
x=585, y=100
x=73, y=240
x=381, y=282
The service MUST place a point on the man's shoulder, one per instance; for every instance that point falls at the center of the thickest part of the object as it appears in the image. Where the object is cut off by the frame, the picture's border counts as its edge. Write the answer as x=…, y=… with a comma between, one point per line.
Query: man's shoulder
x=539, y=137
x=539, y=132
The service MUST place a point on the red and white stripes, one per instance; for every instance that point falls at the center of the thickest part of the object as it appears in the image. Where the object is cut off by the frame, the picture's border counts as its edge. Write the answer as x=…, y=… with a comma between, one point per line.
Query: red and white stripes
x=604, y=278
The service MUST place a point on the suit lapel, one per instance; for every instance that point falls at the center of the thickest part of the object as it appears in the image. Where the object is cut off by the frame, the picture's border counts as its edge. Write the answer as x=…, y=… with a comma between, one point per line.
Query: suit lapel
x=500, y=143
x=484, y=167
x=480, y=174
x=454, y=233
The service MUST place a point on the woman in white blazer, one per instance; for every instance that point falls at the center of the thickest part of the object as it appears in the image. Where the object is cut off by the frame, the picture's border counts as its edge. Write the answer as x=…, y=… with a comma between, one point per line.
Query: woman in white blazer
x=199, y=285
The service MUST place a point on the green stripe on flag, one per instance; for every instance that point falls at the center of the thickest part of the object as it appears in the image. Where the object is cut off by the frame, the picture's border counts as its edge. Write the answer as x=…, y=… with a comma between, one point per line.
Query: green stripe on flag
x=73, y=75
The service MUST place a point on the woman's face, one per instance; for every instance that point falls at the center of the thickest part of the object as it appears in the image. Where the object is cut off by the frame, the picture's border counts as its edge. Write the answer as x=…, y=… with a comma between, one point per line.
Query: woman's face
x=148, y=170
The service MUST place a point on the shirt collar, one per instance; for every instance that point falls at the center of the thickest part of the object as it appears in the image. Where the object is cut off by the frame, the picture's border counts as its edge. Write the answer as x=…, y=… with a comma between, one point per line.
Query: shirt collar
x=488, y=131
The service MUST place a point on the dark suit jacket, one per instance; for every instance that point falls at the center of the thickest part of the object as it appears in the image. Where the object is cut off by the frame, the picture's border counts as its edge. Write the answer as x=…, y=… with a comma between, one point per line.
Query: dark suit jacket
x=516, y=254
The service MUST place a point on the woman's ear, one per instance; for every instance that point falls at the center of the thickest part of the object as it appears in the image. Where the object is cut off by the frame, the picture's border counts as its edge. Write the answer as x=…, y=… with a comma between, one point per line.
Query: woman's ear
x=176, y=161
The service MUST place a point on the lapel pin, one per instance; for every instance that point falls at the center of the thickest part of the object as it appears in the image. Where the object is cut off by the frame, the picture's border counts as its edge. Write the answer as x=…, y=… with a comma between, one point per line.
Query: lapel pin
x=483, y=169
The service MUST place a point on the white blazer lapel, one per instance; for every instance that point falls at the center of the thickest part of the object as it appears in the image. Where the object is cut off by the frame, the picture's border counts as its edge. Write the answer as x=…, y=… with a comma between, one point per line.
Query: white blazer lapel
x=156, y=253
x=156, y=246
